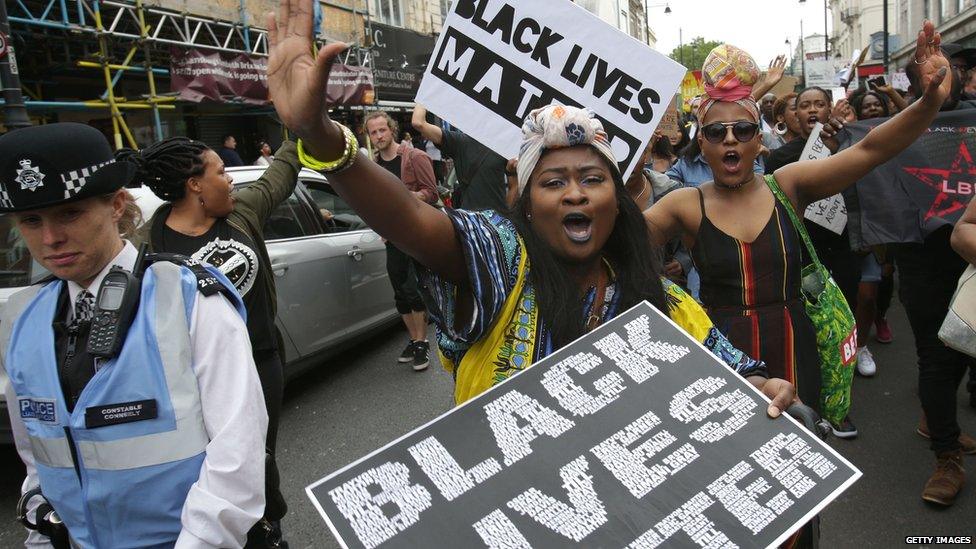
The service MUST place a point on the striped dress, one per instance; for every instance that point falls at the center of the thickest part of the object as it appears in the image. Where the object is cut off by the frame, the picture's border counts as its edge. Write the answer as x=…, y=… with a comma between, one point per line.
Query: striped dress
x=751, y=291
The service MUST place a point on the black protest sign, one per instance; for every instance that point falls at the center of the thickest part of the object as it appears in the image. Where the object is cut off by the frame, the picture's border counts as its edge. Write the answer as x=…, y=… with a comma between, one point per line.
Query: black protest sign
x=496, y=61
x=633, y=436
x=400, y=57
x=925, y=187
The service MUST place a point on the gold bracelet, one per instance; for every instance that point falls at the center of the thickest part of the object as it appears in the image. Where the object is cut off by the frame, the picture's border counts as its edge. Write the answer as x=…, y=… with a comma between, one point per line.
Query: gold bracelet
x=347, y=159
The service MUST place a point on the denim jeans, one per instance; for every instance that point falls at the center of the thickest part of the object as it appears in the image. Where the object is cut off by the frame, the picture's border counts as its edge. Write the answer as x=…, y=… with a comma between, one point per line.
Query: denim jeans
x=928, y=276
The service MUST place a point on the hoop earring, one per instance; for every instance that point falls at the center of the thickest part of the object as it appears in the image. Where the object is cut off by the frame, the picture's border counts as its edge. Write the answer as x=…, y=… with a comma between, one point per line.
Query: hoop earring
x=781, y=128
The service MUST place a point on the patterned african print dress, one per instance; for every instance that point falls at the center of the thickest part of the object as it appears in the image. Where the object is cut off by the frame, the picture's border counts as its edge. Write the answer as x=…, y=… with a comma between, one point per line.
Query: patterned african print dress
x=751, y=291
x=505, y=333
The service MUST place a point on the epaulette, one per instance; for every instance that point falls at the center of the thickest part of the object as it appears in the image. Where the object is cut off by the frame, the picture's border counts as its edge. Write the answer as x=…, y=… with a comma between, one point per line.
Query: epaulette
x=207, y=283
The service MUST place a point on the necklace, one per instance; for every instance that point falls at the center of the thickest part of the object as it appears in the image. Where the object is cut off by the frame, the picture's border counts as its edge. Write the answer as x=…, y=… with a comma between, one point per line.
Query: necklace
x=733, y=187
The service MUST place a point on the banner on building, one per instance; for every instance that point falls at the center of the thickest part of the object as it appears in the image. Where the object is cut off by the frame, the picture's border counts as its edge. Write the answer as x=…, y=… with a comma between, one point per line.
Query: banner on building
x=399, y=59
x=927, y=186
x=496, y=61
x=632, y=436
x=223, y=77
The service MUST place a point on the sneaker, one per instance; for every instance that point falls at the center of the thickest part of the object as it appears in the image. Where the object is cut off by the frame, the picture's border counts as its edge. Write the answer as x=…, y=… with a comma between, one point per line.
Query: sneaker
x=966, y=442
x=947, y=480
x=846, y=429
x=865, y=362
x=421, y=356
x=408, y=353
x=882, y=331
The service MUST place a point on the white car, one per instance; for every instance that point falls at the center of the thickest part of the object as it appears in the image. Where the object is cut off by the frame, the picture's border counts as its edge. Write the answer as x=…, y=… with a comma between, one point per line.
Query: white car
x=330, y=272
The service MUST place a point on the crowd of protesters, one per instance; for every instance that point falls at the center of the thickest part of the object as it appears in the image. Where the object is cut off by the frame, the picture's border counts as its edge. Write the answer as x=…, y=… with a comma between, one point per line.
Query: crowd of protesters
x=525, y=255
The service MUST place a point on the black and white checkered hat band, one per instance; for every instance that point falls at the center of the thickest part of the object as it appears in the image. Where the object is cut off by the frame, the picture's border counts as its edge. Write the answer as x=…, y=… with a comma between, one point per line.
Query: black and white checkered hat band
x=5, y=201
x=75, y=180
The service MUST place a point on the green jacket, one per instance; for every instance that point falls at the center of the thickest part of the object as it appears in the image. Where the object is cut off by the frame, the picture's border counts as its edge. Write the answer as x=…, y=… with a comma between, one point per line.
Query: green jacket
x=253, y=205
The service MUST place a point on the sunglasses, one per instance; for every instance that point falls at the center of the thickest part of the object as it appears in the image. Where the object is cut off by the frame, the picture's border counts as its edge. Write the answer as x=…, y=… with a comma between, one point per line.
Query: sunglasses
x=743, y=131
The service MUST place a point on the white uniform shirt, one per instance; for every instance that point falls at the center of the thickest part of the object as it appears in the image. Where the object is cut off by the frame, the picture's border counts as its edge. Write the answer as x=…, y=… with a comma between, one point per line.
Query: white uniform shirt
x=228, y=498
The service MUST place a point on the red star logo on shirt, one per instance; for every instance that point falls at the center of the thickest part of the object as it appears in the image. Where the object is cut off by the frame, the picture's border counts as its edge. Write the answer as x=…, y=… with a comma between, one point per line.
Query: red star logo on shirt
x=954, y=186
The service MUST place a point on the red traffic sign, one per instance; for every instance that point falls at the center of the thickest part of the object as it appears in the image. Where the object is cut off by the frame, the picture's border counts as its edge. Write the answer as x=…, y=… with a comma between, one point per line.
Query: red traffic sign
x=3, y=45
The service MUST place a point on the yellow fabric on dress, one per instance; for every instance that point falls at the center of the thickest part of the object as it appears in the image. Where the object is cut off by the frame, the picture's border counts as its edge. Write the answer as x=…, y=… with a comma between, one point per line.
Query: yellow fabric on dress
x=487, y=361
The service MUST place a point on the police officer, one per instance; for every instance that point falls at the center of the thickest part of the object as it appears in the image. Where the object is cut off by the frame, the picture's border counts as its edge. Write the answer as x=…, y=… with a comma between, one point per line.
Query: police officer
x=162, y=443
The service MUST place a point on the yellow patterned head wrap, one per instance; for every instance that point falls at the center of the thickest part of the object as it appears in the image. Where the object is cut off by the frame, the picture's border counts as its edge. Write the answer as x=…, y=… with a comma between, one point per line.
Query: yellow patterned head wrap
x=729, y=74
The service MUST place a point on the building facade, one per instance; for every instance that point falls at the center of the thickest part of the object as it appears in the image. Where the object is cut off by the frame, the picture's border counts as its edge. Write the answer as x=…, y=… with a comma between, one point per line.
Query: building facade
x=955, y=19
x=628, y=16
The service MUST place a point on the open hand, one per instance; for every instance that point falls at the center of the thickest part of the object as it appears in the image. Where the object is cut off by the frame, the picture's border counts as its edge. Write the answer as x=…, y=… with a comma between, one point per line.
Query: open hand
x=933, y=68
x=297, y=79
x=776, y=69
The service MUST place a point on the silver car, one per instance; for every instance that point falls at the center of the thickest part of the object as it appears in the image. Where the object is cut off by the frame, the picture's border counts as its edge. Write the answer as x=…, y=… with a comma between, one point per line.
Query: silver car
x=329, y=267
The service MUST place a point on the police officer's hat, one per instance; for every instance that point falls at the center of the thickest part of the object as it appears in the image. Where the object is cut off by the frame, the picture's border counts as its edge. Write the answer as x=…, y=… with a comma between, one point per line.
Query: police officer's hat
x=52, y=164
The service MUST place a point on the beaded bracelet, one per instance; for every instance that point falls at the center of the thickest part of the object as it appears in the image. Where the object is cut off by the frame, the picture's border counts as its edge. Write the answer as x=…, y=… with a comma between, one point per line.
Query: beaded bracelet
x=345, y=161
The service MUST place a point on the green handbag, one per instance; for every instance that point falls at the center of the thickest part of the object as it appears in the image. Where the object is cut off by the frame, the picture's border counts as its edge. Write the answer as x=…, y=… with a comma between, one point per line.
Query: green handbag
x=832, y=319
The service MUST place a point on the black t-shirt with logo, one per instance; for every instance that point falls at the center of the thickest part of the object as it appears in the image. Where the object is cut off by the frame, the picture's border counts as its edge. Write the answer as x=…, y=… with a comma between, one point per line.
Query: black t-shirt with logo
x=233, y=253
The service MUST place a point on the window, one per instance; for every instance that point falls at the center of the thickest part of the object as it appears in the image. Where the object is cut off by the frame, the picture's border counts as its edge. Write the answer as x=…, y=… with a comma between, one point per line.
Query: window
x=387, y=11
x=289, y=220
x=338, y=216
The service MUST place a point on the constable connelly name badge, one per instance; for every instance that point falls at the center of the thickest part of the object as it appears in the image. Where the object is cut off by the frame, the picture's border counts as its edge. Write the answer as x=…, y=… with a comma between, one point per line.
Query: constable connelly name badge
x=123, y=412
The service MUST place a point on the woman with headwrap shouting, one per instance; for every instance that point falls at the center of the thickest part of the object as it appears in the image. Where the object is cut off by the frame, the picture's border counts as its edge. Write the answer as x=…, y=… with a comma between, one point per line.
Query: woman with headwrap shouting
x=504, y=290
x=741, y=238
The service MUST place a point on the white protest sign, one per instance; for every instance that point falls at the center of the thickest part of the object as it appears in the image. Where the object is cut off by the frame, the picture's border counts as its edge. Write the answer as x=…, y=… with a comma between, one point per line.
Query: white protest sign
x=819, y=72
x=495, y=61
x=899, y=81
x=837, y=94
x=830, y=213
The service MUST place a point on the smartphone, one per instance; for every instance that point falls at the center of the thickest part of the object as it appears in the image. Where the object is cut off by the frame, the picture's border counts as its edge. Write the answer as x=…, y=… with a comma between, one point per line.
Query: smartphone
x=877, y=81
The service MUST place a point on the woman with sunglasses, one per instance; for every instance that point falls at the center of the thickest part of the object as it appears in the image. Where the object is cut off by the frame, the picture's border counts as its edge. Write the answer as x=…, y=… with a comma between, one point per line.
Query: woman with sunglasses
x=505, y=291
x=745, y=248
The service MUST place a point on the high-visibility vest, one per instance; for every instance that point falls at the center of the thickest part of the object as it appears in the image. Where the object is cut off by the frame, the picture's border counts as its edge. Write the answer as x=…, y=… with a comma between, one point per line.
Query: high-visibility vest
x=118, y=468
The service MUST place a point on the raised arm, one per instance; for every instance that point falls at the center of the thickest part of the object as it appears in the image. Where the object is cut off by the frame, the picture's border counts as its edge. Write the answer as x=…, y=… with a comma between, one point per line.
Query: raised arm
x=296, y=81
x=431, y=133
x=773, y=75
x=814, y=180
x=964, y=235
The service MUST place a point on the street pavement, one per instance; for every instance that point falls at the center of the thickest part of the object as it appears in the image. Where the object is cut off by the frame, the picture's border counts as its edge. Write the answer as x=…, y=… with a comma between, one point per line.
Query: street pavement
x=362, y=399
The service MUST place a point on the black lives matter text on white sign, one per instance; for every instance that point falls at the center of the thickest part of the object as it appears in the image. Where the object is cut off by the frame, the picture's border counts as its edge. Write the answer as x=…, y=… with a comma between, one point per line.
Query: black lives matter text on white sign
x=496, y=60
x=633, y=436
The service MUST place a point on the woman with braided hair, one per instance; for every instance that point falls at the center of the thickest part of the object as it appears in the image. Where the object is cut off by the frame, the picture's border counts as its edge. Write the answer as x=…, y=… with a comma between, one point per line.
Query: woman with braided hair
x=207, y=219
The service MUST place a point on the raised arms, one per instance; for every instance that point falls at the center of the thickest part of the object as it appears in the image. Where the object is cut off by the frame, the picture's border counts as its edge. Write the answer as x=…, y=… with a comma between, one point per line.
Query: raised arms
x=812, y=181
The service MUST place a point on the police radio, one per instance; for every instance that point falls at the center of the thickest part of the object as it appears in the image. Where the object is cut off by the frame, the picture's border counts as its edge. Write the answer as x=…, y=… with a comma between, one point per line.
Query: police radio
x=115, y=307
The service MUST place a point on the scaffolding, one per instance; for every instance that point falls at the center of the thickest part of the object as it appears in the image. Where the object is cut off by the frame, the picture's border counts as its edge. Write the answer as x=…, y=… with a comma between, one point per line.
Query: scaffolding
x=141, y=28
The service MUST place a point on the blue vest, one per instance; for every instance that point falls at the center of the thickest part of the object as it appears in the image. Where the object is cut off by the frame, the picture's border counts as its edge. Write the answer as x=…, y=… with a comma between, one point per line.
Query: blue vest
x=119, y=467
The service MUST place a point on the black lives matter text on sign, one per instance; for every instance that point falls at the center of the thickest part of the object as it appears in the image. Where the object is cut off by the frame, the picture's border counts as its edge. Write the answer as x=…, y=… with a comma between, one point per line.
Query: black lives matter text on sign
x=634, y=436
x=518, y=92
x=497, y=60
